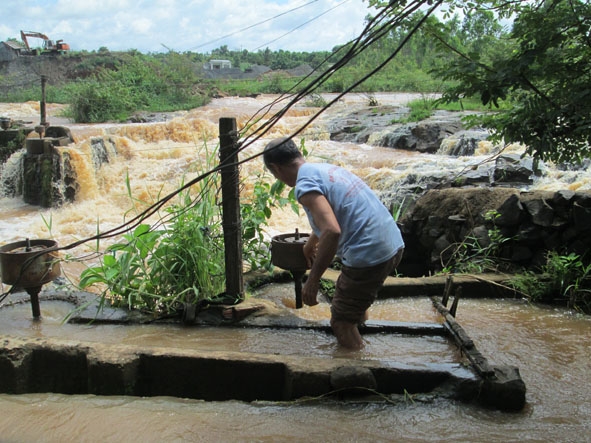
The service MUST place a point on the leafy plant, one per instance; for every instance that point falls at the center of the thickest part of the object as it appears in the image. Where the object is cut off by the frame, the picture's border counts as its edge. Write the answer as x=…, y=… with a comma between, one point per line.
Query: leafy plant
x=473, y=256
x=563, y=277
x=315, y=100
x=180, y=259
x=255, y=213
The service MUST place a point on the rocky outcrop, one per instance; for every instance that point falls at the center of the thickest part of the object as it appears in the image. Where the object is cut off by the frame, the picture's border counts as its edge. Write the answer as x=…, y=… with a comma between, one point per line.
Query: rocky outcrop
x=424, y=136
x=530, y=223
x=381, y=126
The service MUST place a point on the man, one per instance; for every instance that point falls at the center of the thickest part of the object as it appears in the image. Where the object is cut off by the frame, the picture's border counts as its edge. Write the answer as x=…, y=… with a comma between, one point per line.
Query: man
x=349, y=221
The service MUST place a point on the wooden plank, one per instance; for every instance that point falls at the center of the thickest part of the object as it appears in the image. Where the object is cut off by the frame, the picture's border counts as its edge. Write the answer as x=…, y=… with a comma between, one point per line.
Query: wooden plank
x=464, y=342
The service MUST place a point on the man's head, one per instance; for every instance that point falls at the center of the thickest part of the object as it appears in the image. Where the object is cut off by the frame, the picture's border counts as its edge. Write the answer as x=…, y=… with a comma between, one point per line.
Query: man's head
x=281, y=151
x=283, y=158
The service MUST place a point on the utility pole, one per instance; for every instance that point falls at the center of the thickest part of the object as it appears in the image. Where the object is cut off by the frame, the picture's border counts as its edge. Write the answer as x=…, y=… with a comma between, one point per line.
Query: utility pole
x=231, y=220
x=43, y=99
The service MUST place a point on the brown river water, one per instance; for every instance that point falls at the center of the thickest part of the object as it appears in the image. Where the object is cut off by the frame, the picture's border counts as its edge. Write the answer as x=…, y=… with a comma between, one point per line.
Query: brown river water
x=550, y=346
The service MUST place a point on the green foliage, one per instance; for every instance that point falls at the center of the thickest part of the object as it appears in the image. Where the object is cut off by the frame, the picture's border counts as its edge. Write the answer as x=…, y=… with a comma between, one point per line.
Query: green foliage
x=157, y=270
x=180, y=259
x=543, y=67
x=133, y=82
x=327, y=288
x=563, y=277
x=255, y=214
x=315, y=100
x=474, y=256
x=424, y=107
x=420, y=109
x=94, y=102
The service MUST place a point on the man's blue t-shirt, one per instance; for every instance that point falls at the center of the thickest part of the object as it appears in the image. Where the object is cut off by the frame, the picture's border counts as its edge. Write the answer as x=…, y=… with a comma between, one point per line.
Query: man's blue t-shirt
x=369, y=234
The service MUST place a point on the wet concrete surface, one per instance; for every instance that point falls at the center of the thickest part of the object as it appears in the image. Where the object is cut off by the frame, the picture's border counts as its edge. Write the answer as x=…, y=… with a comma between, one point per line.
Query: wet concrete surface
x=30, y=364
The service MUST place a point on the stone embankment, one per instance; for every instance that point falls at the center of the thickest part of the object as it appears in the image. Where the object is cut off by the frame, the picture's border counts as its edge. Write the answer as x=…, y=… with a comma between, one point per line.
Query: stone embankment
x=449, y=222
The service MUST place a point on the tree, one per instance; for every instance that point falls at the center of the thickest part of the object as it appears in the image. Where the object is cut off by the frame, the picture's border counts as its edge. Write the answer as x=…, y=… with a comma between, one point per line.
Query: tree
x=540, y=71
x=544, y=74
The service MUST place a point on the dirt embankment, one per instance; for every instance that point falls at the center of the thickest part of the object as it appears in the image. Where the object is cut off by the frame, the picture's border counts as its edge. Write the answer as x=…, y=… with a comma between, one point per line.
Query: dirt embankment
x=26, y=70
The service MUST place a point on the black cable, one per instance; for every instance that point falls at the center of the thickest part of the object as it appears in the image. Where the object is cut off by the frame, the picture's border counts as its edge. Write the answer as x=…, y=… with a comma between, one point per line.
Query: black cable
x=373, y=31
x=301, y=26
x=251, y=26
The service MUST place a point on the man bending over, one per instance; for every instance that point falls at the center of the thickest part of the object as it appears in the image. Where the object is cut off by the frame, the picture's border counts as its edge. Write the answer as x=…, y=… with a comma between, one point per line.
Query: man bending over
x=348, y=221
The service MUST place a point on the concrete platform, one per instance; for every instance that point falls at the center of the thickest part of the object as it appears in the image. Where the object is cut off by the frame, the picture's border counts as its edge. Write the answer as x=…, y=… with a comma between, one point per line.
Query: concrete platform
x=75, y=367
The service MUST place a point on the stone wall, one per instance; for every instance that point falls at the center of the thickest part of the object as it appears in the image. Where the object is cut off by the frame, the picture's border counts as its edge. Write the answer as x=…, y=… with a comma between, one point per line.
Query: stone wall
x=532, y=222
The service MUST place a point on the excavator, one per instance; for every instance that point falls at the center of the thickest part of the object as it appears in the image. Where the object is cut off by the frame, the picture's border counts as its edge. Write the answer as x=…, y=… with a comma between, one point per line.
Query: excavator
x=49, y=46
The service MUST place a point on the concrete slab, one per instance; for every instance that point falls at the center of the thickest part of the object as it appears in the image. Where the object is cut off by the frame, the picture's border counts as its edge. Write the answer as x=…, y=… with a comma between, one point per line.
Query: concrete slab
x=76, y=367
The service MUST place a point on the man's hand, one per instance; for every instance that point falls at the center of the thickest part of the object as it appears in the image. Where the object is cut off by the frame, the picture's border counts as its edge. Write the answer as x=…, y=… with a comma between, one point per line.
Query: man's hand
x=321, y=249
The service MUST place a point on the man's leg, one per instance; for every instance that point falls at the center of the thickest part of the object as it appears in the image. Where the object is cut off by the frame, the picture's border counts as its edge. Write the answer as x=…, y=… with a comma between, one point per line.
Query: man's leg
x=356, y=289
x=347, y=334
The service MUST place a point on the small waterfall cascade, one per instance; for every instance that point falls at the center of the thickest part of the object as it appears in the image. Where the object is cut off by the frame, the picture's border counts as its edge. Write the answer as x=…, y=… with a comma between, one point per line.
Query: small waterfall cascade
x=47, y=171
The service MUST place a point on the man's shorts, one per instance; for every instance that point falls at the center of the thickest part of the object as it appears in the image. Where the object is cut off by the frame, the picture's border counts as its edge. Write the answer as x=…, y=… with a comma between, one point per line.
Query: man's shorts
x=357, y=288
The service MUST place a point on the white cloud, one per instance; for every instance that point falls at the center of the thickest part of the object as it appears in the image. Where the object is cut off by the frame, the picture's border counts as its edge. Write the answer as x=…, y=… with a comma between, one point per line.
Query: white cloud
x=199, y=25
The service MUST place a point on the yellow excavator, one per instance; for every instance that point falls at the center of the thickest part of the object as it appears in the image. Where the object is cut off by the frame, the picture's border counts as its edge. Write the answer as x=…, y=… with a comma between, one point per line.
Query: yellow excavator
x=49, y=46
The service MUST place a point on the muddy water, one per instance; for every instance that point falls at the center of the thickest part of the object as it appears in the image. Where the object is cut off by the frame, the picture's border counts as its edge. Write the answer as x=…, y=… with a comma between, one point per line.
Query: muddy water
x=16, y=320
x=550, y=346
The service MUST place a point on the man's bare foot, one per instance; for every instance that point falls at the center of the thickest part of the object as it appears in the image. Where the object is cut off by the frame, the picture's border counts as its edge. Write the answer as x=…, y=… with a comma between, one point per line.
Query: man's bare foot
x=347, y=334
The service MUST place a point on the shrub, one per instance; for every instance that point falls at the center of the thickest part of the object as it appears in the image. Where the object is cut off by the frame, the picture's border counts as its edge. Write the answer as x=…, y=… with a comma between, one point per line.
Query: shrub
x=182, y=259
x=563, y=278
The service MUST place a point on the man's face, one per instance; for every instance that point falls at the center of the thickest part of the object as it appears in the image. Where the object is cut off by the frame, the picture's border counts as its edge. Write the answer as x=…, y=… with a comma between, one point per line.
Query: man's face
x=280, y=172
x=275, y=170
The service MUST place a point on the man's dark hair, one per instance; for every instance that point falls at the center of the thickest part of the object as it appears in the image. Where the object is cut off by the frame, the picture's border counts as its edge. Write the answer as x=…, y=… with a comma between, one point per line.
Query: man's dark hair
x=281, y=151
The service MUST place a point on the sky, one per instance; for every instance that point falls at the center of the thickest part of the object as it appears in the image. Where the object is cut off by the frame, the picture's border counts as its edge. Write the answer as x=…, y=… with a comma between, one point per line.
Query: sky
x=151, y=26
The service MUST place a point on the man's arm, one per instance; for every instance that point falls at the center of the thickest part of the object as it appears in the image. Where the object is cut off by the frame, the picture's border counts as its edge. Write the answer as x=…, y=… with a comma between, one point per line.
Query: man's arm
x=310, y=248
x=328, y=240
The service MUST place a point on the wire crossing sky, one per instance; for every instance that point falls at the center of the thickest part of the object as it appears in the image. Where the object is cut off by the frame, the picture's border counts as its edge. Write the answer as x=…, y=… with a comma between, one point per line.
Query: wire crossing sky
x=200, y=25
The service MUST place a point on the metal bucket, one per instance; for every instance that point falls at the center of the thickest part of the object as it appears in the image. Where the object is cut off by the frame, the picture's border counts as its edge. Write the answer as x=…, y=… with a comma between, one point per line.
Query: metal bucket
x=23, y=263
x=287, y=251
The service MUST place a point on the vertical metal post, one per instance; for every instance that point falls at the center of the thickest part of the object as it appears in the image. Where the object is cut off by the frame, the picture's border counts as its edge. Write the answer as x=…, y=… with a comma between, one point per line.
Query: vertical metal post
x=297, y=278
x=34, y=294
x=231, y=220
x=43, y=100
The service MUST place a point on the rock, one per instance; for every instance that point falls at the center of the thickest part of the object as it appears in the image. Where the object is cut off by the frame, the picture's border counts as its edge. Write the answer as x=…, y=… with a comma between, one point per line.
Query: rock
x=380, y=126
x=462, y=143
x=582, y=213
x=529, y=224
x=541, y=213
x=511, y=211
x=481, y=175
x=351, y=377
x=506, y=390
x=511, y=168
x=563, y=198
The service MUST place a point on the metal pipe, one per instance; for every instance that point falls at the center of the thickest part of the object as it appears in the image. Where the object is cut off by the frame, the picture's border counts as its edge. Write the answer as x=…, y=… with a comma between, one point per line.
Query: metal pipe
x=297, y=277
x=34, y=293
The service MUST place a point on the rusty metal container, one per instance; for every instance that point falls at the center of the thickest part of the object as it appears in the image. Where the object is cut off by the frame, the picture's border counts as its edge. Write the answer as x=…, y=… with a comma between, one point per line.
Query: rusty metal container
x=22, y=263
x=5, y=123
x=287, y=251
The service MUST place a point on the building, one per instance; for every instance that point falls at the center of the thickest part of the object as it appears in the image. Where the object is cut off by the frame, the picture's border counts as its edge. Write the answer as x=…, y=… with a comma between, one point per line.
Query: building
x=218, y=64
x=10, y=49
